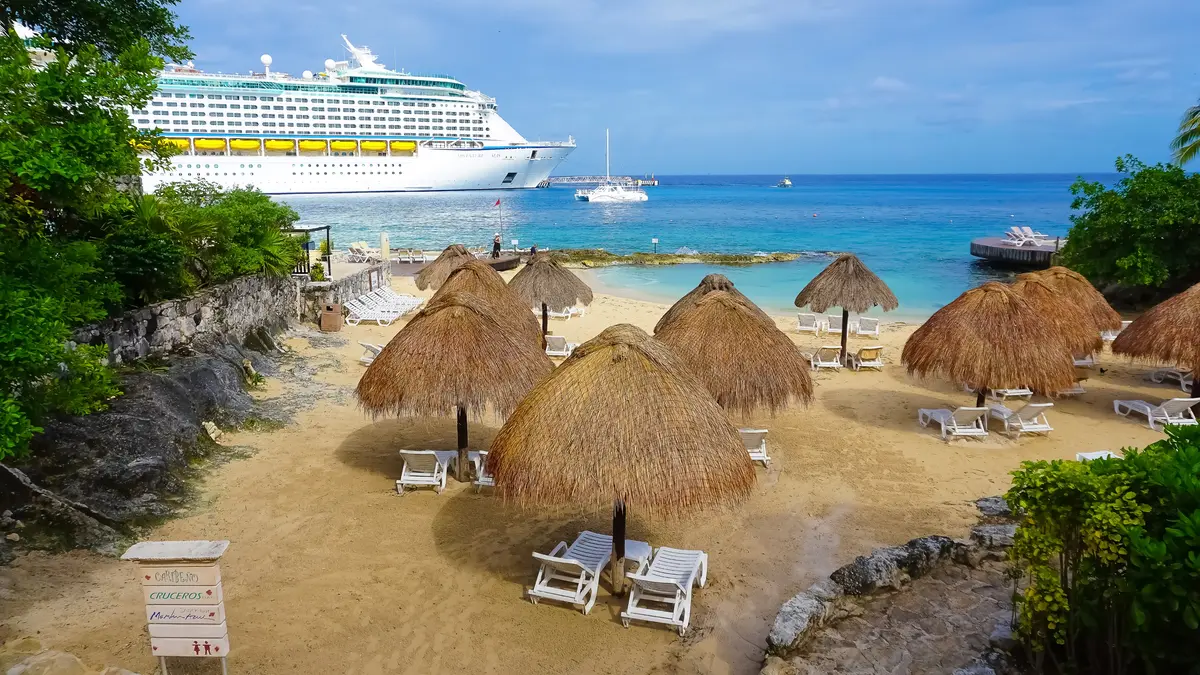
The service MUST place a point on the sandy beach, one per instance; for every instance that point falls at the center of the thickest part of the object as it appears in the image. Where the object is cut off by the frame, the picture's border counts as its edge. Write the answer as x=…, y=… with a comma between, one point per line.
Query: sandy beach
x=330, y=571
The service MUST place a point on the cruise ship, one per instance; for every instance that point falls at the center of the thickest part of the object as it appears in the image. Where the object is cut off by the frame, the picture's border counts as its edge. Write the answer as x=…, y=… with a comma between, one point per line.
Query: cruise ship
x=356, y=127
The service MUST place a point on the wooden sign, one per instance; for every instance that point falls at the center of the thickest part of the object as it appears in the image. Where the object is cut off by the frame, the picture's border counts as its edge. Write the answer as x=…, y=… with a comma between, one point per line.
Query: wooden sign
x=201, y=614
x=182, y=595
x=179, y=575
x=201, y=647
x=185, y=604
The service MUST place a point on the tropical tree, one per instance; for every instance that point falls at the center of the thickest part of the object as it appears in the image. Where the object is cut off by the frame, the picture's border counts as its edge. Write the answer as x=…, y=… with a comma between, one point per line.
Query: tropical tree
x=1187, y=141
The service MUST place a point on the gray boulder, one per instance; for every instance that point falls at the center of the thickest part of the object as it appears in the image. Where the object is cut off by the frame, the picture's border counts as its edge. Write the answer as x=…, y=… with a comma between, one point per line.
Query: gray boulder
x=995, y=536
x=893, y=566
x=993, y=507
x=60, y=523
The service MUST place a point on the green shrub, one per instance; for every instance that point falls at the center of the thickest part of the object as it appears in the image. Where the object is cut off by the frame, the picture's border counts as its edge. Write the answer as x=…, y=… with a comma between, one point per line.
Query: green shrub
x=324, y=248
x=1110, y=552
x=317, y=272
x=149, y=266
x=1143, y=232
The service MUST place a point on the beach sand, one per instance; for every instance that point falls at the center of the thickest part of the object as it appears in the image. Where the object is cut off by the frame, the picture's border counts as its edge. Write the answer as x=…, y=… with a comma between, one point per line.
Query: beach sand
x=330, y=571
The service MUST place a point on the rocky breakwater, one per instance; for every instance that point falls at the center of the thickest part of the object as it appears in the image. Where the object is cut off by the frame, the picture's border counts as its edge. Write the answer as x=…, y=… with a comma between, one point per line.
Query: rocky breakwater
x=934, y=604
x=91, y=481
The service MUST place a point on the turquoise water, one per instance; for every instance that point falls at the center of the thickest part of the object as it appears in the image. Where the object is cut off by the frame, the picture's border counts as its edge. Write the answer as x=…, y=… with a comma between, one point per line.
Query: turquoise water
x=914, y=231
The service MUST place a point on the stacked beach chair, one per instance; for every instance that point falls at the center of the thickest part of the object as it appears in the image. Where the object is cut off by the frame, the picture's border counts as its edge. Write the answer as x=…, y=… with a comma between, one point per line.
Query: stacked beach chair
x=383, y=306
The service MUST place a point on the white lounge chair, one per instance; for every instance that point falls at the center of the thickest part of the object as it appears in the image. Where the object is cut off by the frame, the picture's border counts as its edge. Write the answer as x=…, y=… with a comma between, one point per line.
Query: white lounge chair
x=1037, y=237
x=422, y=468
x=662, y=590
x=572, y=573
x=1087, y=361
x=372, y=350
x=960, y=422
x=565, y=314
x=1173, y=411
x=1031, y=418
x=1110, y=335
x=828, y=356
x=866, y=326
x=1005, y=394
x=1015, y=237
x=1180, y=376
x=755, y=441
x=557, y=345
x=1075, y=390
x=809, y=323
x=483, y=477
x=1096, y=454
x=833, y=323
x=868, y=357
x=360, y=311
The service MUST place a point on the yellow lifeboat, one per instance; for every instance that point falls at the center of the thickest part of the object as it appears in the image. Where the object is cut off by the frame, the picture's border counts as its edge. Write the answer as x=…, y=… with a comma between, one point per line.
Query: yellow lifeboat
x=244, y=144
x=275, y=144
x=343, y=145
x=210, y=143
x=181, y=143
x=404, y=146
x=374, y=146
x=312, y=145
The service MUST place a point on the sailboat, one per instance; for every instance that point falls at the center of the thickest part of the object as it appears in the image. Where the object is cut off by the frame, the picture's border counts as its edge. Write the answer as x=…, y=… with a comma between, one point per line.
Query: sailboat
x=608, y=191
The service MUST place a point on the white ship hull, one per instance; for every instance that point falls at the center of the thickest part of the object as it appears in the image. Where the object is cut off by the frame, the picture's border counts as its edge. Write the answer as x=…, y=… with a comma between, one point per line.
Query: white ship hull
x=430, y=169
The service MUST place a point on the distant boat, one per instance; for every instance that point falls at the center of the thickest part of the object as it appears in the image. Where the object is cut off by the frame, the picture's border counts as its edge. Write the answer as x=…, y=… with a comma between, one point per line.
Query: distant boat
x=786, y=182
x=608, y=191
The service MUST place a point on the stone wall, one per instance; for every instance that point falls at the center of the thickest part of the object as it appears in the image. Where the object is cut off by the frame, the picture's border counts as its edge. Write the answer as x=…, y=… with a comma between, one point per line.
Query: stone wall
x=316, y=294
x=223, y=313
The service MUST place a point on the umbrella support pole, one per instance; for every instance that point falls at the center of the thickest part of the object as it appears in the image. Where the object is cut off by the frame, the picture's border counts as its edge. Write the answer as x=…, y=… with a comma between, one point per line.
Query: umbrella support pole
x=845, y=333
x=460, y=467
x=617, y=565
x=979, y=397
x=545, y=323
x=1195, y=390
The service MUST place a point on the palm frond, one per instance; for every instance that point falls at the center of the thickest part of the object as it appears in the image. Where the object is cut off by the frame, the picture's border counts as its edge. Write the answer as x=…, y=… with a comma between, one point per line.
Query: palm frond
x=1186, y=145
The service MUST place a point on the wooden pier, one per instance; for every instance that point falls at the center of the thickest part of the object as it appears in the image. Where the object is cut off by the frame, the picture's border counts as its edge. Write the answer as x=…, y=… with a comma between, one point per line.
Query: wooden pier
x=999, y=251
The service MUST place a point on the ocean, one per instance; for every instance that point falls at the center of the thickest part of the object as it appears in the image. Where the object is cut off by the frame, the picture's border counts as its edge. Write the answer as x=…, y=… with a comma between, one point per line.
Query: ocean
x=913, y=231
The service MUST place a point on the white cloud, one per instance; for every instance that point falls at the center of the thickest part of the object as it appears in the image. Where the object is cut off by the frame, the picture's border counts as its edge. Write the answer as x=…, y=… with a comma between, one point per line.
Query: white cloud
x=889, y=85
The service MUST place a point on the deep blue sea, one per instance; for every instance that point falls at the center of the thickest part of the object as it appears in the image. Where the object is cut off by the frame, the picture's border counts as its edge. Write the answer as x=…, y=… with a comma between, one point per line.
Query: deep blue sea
x=914, y=231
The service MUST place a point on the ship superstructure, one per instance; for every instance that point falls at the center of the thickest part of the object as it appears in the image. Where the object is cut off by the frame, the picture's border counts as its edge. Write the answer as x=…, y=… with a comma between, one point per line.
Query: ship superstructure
x=355, y=127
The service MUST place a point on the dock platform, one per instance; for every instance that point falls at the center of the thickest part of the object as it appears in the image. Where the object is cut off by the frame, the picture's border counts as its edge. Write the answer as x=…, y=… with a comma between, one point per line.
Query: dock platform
x=998, y=251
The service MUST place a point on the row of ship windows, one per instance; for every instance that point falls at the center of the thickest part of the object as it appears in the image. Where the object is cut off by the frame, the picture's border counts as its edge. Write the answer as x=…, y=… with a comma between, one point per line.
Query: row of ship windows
x=292, y=108
x=272, y=116
x=413, y=104
x=317, y=125
x=303, y=166
x=302, y=173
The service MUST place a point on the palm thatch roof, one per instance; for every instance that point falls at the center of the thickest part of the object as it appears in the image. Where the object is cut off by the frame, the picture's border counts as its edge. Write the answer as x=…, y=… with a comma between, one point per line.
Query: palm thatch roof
x=1166, y=333
x=479, y=278
x=744, y=362
x=849, y=284
x=435, y=273
x=456, y=352
x=991, y=337
x=709, y=284
x=1073, y=323
x=1080, y=292
x=545, y=281
x=621, y=418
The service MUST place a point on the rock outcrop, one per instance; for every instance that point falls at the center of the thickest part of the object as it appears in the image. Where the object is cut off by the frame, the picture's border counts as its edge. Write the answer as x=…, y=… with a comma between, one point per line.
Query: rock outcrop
x=89, y=480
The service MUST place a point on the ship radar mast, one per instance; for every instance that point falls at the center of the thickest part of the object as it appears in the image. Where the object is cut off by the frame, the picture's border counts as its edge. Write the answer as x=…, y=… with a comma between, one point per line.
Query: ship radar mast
x=362, y=55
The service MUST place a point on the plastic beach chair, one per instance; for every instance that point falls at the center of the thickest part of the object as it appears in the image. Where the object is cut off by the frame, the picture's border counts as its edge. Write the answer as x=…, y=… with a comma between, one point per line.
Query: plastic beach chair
x=662, y=590
x=571, y=574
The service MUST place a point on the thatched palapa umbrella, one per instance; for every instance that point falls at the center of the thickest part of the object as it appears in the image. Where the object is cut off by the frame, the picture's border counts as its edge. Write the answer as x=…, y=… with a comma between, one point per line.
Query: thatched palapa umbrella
x=481, y=279
x=545, y=282
x=745, y=362
x=1167, y=333
x=456, y=354
x=851, y=285
x=991, y=338
x=622, y=422
x=709, y=284
x=1073, y=323
x=1081, y=293
x=435, y=273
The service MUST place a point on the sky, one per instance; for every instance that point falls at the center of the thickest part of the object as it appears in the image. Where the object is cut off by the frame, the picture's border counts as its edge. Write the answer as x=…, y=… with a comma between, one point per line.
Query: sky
x=772, y=86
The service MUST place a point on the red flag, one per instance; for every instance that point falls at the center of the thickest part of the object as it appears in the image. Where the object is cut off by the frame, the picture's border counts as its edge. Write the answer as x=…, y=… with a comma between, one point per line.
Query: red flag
x=497, y=203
